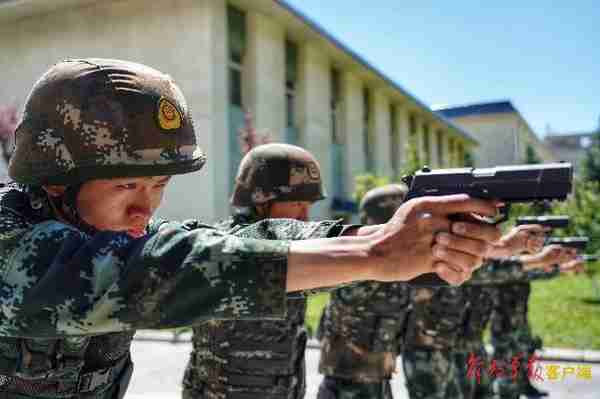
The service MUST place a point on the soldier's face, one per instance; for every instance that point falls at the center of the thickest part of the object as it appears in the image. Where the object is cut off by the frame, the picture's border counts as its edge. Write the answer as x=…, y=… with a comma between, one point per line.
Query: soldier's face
x=290, y=209
x=123, y=204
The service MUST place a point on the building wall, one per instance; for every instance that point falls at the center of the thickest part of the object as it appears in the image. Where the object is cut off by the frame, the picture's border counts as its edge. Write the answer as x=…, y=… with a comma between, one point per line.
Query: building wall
x=189, y=40
x=570, y=148
x=503, y=139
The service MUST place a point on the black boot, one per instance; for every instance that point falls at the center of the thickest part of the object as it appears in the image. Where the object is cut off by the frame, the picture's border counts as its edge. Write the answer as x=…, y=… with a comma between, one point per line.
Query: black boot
x=532, y=392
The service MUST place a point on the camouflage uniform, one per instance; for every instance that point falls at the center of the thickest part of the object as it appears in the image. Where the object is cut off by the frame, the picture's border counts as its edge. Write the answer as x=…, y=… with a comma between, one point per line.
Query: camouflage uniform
x=431, y=333
x=469, y=355
x=445, y=327
x=362, y=327
x=72, y=297
x=242, y=359
x=511, y=334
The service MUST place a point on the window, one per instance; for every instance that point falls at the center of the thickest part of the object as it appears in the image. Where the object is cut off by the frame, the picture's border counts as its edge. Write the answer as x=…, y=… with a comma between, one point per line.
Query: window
x=394, y=140
x=367, y=139
x=236, y=24
x=460, y=154
x=412, y=125
x=236, y=29
x=335, y=106
x=337, y=143
x=291, y=78
x=426, y=149
x=440, y=148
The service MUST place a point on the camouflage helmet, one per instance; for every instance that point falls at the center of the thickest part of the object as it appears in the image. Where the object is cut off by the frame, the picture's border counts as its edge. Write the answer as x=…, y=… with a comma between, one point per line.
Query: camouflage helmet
x=380, y=203
x=277, y=172
x=99, y=118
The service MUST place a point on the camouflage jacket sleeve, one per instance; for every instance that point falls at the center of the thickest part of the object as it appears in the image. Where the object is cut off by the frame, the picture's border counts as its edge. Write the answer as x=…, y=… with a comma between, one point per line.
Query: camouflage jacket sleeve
x=539, y=274
x=290, y=229
x=498, y=271
x=58, y=281
x=508, y=270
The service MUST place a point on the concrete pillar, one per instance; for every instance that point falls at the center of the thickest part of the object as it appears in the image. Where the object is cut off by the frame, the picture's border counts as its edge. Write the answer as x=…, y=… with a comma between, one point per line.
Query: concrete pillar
x=203, y=80
x=314, y=116
x=382, y=133
x=352, y=125
x=264, y=74
x=220, y=109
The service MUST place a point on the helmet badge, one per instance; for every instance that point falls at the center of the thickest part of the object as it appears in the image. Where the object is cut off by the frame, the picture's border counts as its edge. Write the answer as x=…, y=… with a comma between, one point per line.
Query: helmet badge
x=169, y=117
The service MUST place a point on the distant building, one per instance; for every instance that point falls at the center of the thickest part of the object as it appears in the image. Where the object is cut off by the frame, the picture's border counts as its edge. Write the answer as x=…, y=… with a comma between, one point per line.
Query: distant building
x=502, y=132
x=570, y=147
x=300, y=84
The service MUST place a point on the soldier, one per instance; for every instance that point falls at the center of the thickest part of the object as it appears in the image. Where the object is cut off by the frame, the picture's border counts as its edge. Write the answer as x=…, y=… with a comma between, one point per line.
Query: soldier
x=475, y=372
x=83, y=266
x=438, y=318
x=259, y=358
x=362, y=326
x=511, y=334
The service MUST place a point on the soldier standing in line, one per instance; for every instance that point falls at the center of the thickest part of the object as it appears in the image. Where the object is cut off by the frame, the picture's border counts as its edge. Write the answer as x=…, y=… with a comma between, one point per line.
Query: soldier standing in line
x=438, y=316
x=475, y=372
x=362, y=327
x=84, y=266
x=262, y=359
x=511, y=334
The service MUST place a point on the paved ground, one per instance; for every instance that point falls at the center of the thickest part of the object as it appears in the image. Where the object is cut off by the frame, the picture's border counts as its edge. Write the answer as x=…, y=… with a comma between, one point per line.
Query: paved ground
x=159, y=367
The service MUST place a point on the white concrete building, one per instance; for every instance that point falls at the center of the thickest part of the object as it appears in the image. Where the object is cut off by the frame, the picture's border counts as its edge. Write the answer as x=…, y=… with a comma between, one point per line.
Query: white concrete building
x=501, y=130
x=571, y=146
x=300, y=84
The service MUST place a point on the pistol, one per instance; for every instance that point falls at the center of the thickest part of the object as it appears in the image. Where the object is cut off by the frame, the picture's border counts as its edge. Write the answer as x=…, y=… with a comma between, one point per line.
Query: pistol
x=555, y=222
x=579, y=243
x=509, y=184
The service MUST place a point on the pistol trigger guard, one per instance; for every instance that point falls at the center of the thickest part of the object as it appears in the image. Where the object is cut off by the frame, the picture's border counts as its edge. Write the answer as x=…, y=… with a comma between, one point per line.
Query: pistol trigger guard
x=503, y=211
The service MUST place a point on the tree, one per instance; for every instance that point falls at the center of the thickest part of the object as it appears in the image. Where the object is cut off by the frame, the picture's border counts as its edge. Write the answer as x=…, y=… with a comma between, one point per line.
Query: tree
x=531, y=156
x=469, y=160
x=249, y=137
x=591, y=162
x=413, y=162
x=9, y=118
x=367, y=182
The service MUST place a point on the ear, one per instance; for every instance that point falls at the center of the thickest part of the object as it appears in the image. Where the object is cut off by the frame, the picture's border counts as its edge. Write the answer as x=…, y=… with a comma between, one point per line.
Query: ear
x=55, y=191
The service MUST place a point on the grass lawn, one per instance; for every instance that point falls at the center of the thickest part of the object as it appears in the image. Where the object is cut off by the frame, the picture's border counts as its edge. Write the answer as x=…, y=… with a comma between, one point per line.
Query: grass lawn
x=565, y=312
x=316, y=304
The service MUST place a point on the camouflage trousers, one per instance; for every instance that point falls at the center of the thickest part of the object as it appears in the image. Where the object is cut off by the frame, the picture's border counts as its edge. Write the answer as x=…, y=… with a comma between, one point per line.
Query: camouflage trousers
x=473, y=377
x=339, y=388
x=430, y=374
x=516, y=351
x=513, y=341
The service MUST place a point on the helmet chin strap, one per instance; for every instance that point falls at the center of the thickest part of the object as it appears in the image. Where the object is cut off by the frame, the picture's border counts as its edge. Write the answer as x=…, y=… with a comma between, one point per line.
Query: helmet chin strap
x=66, y=205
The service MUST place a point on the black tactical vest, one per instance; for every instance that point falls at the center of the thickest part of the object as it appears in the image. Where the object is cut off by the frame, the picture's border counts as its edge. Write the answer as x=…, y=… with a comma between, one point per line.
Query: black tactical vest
x=96, y=367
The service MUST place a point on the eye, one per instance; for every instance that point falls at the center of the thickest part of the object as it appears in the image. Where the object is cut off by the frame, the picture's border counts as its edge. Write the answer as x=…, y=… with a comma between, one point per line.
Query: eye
x=127, y=186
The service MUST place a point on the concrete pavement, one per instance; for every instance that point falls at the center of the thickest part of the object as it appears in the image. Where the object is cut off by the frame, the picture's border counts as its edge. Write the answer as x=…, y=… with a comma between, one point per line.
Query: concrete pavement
x=159, y=366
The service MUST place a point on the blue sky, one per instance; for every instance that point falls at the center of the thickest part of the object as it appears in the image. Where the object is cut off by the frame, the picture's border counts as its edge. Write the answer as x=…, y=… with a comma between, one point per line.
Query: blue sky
x=545, y=59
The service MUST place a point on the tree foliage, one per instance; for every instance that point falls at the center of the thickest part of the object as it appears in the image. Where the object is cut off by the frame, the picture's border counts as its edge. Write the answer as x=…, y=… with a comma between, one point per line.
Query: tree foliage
x=469, y=160
x=591, y=162
x=413, y=161
x=9, y=118
x=531, y=155
x=249, y=137
x=367, y=182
